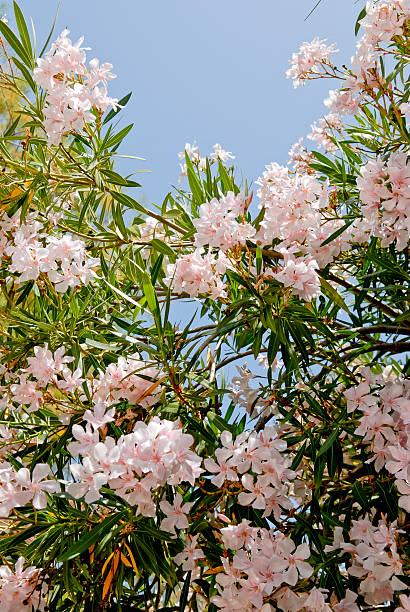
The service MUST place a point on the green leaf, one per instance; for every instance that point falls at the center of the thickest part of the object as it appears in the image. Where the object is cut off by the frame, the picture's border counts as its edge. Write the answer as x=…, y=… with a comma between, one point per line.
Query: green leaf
x=117, y=139
x=360, y=17
x=128, y=201
x=225, y=178
x=162, y=247
x=50, y=34
x=337, y=232
x=333, y=294
x=219, y=422
x=259, y=259
x=93, y=536
x=15, y=44
x=25, y=72
x=329, y=442
x=194, y=183
x=24, y=34
x=117, y=179
x=360, y=496
x=120, y=106
x=184, y=593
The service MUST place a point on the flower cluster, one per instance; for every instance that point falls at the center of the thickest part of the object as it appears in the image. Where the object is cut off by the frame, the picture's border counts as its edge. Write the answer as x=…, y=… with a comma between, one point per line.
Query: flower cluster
x=320, y=133
x=218, y=154
x=43, y=369
x=33, y=253
x=384, y=188
x=19, y=488
x=300, y=274
x=242, y=394
x=384, y=19
x=217, y=225
x=307, y=60
x=72, y=89
x=300, y=158
x=297, y=213
x=151, y=456
x=131, y=379
x=21, y=589
x=267, y=487
x=375, y=558
x=262, y=561
x=385, y=424
x=198, y=273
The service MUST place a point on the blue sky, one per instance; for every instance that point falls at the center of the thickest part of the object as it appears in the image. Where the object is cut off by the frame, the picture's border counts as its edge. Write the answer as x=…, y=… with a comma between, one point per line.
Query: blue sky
x=211, y=71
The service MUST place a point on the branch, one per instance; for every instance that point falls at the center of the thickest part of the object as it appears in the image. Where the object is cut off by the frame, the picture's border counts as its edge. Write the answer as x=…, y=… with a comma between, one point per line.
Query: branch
x=380, y=347
x=376, y=329
x=383, y=307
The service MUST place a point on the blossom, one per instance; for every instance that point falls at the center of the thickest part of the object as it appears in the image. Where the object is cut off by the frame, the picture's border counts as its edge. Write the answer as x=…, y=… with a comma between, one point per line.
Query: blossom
x=36, y=485
x=310, y=57
x=26, y=393
x=342, y=102
x=64, y=259
x=222, y=470
x=259, y=492
x=190, y=555
x=72, y=90
x=242, y=394
x=131, y=379
x=384, y=188
x=90, y=479
x=11, y=496
x=403, y=487
x=359, y=398
x=299, y=274
x=18, y=590
x=217, y=225
x=176, y=514
x=298, y=567
x=198, y=273
x=99, y=417
x=43, y=366
x=221, y=154
x=190, y=149
x=405, y=604
x=321, y=131
x=348, y=603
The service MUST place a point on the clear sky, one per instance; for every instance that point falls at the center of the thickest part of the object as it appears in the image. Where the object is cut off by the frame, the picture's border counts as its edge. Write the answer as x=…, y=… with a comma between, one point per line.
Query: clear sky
x=211, y=71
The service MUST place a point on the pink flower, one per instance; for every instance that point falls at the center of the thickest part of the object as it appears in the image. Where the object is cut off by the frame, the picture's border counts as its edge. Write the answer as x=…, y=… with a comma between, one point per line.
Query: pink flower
x=359, y=398
x=259, y=492
x=221, y=154
x=176, y=515
x=198, y=273
x=347, y=604
x=189, y=557
x=91, y=481
x=308, y=60
x=300, y=274
x=404, y=489
x=223, y=469
x=99, y=417
x=237, y=536
x=405, y=604
x=399, y=464
x=70, y=97
x=36, y=485
x=297, y=566
x=217, y=225
x=18, y=590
